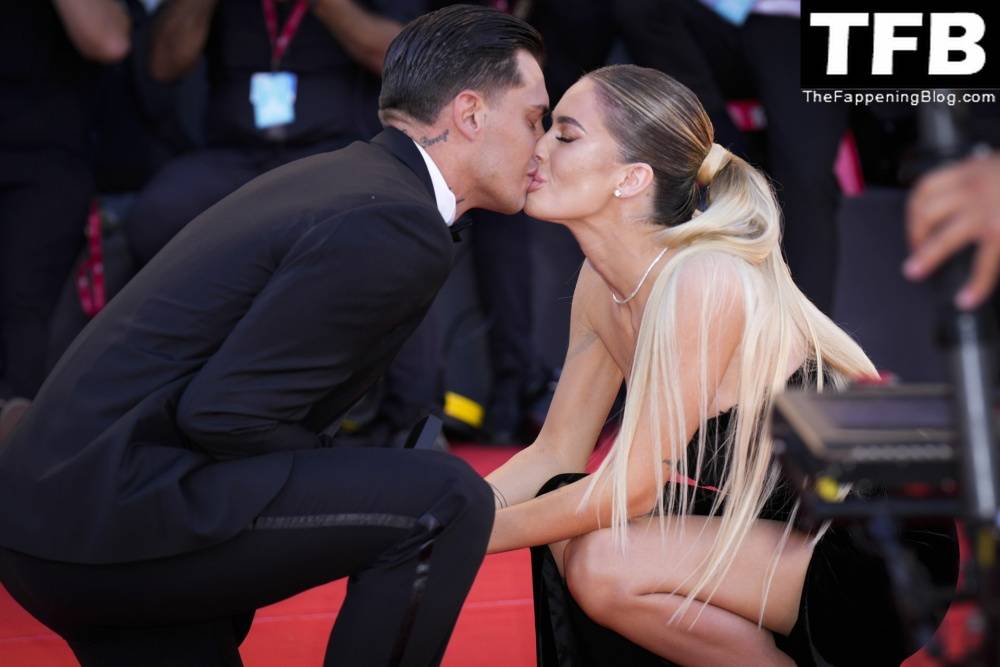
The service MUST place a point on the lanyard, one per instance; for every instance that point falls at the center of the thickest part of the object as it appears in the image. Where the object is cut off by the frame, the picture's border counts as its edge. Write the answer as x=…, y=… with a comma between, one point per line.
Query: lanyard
x=90, y=275
x=279, y=43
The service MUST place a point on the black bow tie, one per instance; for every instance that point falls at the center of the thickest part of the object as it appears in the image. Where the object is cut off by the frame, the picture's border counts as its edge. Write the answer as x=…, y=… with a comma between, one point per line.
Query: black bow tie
x=458, y=226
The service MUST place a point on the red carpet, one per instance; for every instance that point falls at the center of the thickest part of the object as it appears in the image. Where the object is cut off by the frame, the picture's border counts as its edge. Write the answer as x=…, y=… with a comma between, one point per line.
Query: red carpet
x=495, y=628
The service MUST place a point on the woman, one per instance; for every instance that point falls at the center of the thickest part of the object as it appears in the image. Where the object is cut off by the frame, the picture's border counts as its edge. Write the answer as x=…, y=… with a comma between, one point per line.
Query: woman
x=684, y=296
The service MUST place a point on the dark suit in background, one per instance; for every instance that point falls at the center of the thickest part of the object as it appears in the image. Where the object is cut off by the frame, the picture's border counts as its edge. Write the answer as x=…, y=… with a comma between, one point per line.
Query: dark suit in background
x=172, y=474
x=46, y=181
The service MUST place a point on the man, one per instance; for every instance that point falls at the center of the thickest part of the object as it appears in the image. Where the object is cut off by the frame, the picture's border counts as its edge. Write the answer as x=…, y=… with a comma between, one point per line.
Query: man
x=171, y=477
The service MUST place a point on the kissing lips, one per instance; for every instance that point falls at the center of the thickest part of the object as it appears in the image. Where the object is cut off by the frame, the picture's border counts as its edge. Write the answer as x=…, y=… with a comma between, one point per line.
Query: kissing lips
x=536, y=183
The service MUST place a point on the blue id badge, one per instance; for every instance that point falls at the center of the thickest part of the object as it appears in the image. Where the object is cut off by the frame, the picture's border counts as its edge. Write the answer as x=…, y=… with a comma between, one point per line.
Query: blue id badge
x=273, y=97
x=734, y=11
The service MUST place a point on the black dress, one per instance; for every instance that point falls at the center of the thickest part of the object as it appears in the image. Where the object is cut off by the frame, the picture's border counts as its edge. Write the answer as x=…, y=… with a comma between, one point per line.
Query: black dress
x=847, y=614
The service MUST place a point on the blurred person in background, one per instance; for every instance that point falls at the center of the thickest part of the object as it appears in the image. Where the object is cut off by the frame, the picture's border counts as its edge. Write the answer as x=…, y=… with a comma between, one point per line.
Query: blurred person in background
x=750, y=49
x=49, y=55
x=951, y=208
x=286, y=79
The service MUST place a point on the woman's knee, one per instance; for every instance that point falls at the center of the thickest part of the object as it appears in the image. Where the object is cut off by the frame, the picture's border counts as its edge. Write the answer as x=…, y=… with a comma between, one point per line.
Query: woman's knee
x=593, y=577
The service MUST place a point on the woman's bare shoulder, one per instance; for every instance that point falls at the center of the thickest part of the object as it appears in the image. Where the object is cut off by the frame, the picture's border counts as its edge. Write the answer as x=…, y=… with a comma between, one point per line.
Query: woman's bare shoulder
x=712, y=275
x=709, y=263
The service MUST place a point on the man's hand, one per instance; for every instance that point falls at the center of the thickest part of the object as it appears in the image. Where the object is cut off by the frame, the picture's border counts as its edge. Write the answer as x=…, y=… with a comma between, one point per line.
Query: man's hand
x=949, y=209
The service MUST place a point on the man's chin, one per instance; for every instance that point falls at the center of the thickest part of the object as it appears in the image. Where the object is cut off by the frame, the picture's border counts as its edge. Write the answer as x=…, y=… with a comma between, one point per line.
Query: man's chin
x=505, y=203
x=513, y=206
x=532, y=208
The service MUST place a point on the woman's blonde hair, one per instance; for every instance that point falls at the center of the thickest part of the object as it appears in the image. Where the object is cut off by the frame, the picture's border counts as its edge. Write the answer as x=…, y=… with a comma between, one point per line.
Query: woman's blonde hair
x=732, y=249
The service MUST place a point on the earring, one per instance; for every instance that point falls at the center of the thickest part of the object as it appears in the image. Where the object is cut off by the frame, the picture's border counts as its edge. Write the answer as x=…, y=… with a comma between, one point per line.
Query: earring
x=618, y=193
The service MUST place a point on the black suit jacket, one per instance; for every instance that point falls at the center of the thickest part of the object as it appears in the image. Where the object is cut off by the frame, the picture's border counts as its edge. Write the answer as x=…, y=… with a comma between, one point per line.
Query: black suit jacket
x=166, y=425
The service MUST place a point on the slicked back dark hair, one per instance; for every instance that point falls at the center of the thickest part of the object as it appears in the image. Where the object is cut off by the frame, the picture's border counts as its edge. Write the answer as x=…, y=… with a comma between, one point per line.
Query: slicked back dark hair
x=461, y=47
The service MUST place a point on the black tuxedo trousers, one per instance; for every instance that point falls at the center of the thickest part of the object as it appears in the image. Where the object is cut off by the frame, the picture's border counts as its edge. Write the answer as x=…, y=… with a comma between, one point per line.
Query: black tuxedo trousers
x=411, y=549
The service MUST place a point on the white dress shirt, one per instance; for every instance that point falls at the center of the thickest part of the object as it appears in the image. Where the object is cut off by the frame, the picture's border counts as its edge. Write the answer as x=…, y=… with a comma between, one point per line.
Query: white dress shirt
x=445, y=198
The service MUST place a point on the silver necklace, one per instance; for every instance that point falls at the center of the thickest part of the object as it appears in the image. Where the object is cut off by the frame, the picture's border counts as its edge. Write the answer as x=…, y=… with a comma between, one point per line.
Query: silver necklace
x=622, y=302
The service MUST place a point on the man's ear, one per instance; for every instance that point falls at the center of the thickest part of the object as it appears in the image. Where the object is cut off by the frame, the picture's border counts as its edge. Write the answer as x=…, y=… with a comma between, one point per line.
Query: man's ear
x=634, y=179
x=468, y=113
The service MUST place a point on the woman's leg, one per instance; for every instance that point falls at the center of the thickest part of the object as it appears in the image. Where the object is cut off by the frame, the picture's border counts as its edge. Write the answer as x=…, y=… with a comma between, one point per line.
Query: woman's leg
x=637, y=593
x=705, y=636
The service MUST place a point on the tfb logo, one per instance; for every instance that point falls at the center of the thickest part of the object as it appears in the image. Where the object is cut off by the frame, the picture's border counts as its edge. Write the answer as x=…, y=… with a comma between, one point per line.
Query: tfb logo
x=886, y=42
x=929, y=44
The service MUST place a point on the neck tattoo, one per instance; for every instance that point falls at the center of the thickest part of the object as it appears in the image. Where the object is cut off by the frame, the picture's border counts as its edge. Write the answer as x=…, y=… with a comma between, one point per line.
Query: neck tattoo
x=426, y=142
x=622, y=302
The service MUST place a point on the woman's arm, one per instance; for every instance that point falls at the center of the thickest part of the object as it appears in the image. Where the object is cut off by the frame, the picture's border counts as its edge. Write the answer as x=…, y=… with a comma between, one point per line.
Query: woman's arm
x=714, y=333
x=587, y=388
